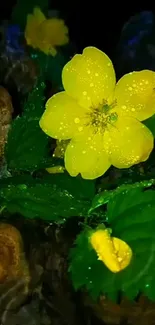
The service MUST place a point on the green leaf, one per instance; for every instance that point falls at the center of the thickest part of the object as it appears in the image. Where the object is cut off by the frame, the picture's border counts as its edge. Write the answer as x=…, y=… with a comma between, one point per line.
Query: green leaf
x=51, y=67
x=150, y=123
x=131, y=216
x=149, y=287
x=35, y=104
x=52, y=198
x=27, y=148
x=105, y=196
x=125, y=209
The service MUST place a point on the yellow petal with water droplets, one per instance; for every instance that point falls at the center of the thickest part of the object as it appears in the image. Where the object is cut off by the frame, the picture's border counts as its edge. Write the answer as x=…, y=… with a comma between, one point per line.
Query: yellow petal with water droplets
x=128, y=142
x=123, y=252
x=89, y=77
x=85, y=155
x=113, y=252
x=135, y=95
x=63, y=117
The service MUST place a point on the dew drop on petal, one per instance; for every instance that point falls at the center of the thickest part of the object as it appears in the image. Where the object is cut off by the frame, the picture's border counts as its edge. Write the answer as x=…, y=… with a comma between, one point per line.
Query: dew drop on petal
x=77, y=120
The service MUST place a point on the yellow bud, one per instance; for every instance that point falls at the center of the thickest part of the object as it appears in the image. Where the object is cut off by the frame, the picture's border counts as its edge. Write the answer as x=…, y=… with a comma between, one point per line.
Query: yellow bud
x=113, y=252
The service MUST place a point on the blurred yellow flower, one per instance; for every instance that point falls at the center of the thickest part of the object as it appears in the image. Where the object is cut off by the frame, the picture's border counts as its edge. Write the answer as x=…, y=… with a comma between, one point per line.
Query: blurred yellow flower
x=113, y=252
x=45, y=34
x=101, y=118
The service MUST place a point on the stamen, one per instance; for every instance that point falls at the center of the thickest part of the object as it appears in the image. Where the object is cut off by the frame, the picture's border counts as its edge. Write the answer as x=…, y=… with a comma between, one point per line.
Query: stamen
x=99, y=118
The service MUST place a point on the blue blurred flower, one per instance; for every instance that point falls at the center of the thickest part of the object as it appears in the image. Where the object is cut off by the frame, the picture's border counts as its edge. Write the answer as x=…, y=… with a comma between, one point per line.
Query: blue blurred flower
x=13, y=36
x=135, y=50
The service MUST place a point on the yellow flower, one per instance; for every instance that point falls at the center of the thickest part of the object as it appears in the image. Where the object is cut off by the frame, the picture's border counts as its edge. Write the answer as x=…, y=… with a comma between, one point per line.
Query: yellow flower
x=58, y=153
x=113, y=252
x=60, y=148
x=45, y=34
x=101, y=118
x=55, y=170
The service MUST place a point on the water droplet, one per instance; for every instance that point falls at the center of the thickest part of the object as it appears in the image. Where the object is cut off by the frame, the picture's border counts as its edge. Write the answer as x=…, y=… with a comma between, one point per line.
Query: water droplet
x=120, y=259
x=80, y=128
x=22, y=187
x=76, y=120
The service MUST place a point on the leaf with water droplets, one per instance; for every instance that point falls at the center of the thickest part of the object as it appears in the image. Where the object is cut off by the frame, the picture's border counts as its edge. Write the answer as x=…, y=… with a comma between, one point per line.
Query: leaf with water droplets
x=27, y=147
x=131, y=216
x=52, y=198
x=104, y=197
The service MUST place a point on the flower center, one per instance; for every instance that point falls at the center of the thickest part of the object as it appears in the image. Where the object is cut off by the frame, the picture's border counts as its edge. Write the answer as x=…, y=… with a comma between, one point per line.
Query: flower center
x=102, y=116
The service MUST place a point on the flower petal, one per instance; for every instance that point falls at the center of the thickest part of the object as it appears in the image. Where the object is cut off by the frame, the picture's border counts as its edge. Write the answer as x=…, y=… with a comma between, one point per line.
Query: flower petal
x=123, y=251
x=55, y=170
x=89, y=77
x=135, y=94
x=128, y=142
x=62, y=118
x=54, y=31
x=113, y=252
x=102, y=243
x=86, y=156
x=30, y=31
x=33, y=22
x=38, y=15
x=60, y=148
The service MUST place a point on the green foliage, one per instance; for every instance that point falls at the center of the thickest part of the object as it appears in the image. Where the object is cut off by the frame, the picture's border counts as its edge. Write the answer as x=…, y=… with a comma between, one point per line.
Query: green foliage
x=52, y=198
x=104, y=196
x=23, y=8
x=35, y=104
x=27, y=148
x=150, y=123
x=131, y=216
x=27, y=145
x=50, y=66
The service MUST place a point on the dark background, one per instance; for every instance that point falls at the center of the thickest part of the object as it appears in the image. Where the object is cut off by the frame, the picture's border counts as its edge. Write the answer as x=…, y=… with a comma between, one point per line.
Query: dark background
x=96, y=23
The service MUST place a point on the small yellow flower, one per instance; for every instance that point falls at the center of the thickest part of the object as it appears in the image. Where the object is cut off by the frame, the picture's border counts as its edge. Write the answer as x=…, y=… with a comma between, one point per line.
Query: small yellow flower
x=101, y=118
x=113, y=252
x=45, y=34
x=58, y=153
x=55, y=170
x=60, y=148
